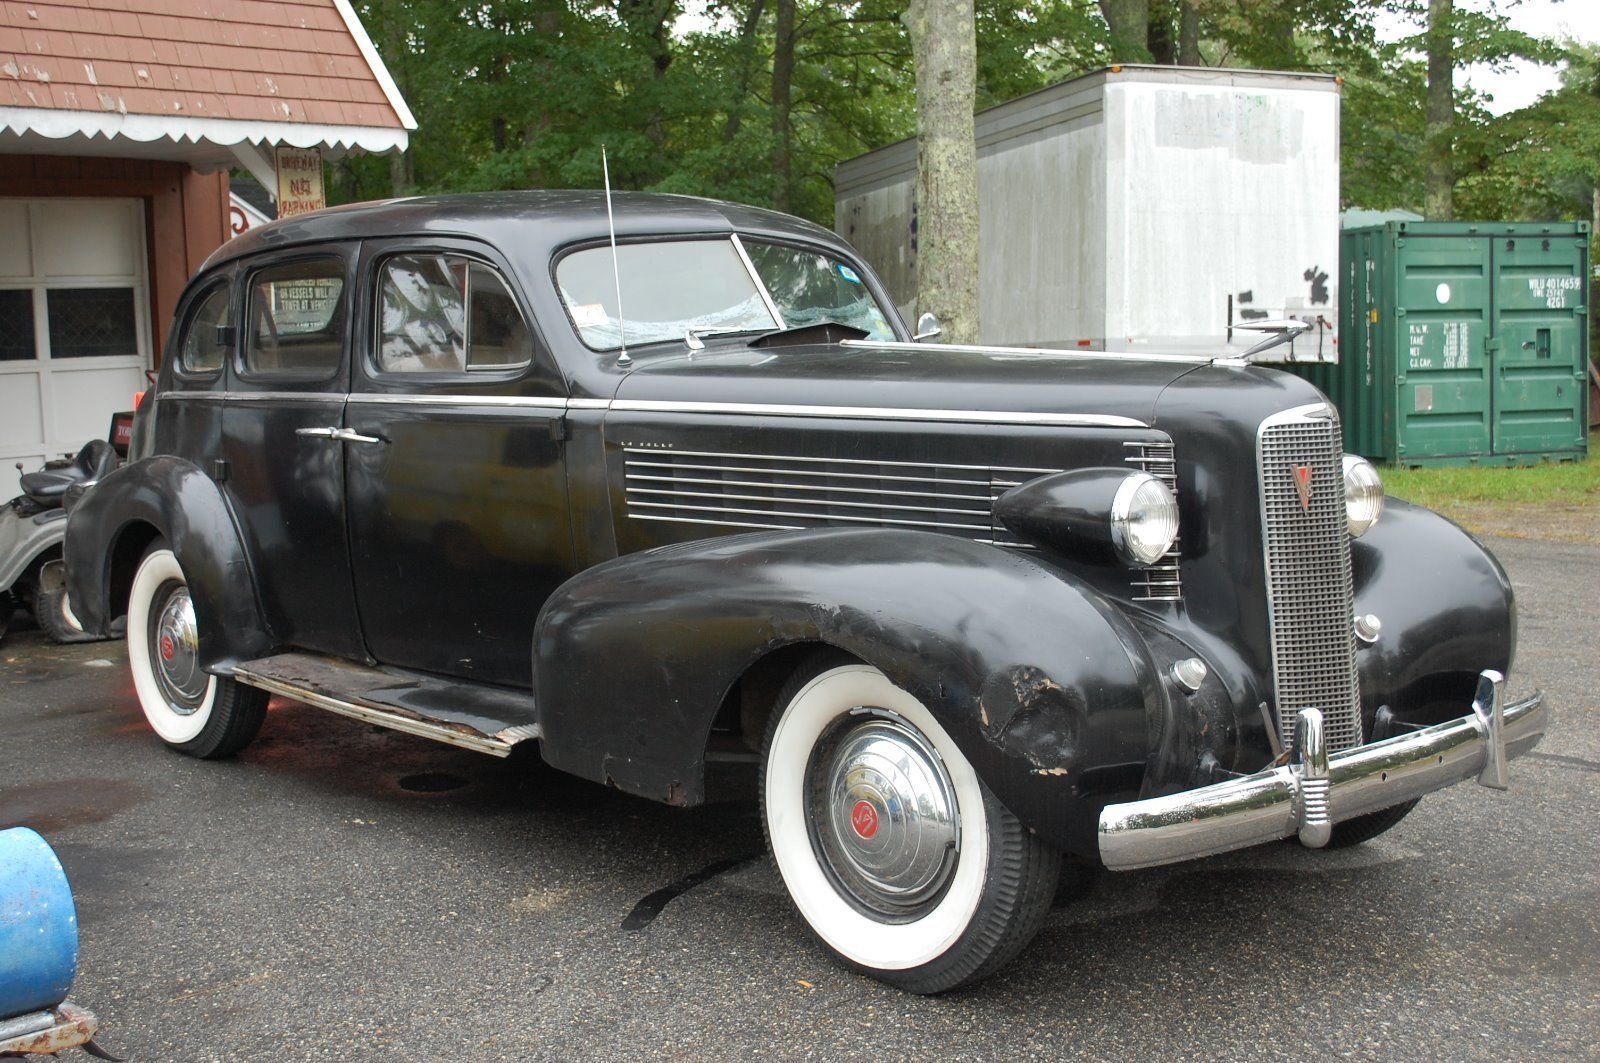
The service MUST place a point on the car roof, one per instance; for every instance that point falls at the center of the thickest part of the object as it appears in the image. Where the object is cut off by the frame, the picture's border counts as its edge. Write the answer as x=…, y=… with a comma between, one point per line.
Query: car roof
x=535, y=223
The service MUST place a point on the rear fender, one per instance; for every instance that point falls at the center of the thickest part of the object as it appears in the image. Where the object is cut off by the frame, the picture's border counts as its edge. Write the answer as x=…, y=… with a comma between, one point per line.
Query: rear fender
x=178, y=501
x=1044, y=685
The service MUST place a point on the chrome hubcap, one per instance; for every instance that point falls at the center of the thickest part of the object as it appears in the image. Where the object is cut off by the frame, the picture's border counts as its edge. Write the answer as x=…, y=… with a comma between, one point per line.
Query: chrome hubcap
x=174, y=646
x=883, y=815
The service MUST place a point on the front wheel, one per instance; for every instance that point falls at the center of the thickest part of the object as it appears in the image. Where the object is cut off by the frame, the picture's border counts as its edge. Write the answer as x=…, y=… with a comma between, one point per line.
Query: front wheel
x=894, y=852
x=1365, y=828
x=192, y=711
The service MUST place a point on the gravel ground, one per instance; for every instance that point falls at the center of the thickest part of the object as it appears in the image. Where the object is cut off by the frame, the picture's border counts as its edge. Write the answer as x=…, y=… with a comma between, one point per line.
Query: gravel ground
x=339, y=892
x=1529, y=520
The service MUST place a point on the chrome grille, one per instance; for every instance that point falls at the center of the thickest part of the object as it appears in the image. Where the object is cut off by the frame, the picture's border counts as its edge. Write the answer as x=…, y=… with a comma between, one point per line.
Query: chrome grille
x=787, y=491
x=1309, y=593
x=1160, y=582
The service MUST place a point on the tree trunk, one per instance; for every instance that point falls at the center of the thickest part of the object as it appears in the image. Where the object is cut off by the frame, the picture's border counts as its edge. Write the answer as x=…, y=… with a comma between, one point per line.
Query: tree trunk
x=944, y=50
x=1188, y=33
x=747, y=53
x=782, y=83
x=1158, y=37
x=499, y=127
x=651, y=21
x=1129, y=22
x=402, y=173
x=1440, y=179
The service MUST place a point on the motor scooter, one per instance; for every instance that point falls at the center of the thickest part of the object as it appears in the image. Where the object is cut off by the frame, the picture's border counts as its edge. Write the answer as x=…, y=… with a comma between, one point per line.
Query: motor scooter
x=32, y=526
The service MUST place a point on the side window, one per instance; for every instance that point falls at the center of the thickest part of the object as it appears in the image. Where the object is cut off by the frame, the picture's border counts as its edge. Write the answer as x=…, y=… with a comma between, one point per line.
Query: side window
x=199, y=352
x=295, y=319
x=498, y=336
x=447, y=313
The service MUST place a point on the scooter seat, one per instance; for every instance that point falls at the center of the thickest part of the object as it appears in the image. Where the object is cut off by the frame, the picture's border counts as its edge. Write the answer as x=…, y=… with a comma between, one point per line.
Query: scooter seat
x=47, y=486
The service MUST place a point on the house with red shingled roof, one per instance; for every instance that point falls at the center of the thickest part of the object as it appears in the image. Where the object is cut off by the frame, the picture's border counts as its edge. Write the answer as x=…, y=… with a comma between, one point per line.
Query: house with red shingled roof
x=119, y=122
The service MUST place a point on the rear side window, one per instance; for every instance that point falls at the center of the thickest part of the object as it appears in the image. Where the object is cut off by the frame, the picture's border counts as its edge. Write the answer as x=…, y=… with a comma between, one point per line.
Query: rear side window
x=199, y=352
x=296, y=319
x=447, y=313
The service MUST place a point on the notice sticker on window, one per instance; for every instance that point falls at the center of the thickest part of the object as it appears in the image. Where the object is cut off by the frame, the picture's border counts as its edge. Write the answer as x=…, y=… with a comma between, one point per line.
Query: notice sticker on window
x=588, y=315
x=849, y=274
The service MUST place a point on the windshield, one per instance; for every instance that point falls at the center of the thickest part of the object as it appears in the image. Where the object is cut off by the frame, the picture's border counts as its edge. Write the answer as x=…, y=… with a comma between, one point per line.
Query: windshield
x=810, y=288
x=674, y=286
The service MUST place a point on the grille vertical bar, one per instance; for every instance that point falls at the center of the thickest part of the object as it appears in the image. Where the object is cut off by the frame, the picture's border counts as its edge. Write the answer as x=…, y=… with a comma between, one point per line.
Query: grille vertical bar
x=1162, y=581
x=1309, y=589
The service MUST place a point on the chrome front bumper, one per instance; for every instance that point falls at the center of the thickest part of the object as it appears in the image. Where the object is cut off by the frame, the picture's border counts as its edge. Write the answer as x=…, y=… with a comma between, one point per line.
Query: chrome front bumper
x=1308, y=797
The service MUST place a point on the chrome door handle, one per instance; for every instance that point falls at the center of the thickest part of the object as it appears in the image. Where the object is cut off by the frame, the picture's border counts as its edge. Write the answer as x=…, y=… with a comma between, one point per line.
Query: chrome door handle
x=320, y=433
x=350, y=435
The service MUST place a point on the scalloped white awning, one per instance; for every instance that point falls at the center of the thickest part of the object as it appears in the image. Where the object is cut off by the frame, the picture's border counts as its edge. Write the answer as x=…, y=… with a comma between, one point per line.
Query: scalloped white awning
x=207, y=144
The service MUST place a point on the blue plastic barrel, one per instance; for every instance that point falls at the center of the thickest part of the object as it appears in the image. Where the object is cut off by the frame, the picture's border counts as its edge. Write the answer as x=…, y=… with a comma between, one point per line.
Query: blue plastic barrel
x=38, y=925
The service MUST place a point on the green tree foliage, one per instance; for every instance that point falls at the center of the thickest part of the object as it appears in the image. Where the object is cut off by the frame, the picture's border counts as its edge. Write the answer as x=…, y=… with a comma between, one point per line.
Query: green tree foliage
x=685, y=96
x=1542, y=162
x=523, y=93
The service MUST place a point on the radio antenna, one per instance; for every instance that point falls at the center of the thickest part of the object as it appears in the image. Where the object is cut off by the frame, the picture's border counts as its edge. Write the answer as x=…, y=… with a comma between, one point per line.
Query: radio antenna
x=616, y=273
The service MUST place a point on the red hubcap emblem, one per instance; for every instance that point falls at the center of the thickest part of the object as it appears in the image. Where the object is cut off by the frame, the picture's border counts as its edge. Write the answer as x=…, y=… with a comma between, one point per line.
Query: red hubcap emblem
x=864, y=818
x=167, y=648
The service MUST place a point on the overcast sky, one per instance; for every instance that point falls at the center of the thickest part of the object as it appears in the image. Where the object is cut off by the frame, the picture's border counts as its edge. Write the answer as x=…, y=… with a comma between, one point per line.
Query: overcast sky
x=1543, y=18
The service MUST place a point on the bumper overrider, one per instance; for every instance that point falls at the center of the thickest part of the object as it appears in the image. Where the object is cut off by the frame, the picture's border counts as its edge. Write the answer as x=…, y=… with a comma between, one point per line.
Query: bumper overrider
x=1307, y=797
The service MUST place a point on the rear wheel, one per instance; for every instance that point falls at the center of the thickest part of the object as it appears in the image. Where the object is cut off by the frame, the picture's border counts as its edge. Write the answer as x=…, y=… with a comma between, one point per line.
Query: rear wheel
x=892, y=849
x=51, y=608
x=192, y=711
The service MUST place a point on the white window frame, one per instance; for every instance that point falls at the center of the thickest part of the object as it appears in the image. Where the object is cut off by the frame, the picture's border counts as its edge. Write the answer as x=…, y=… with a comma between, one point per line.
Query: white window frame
x=43, y=366
x=37, y=283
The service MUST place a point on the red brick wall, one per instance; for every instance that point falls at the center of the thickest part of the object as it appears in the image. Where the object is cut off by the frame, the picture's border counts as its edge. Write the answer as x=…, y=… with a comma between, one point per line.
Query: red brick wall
x=186, y=213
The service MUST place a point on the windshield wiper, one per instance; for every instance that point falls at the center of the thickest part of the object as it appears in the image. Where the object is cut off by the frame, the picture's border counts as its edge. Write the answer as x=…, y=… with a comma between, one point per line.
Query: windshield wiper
x=693, y=337
x=816, y=332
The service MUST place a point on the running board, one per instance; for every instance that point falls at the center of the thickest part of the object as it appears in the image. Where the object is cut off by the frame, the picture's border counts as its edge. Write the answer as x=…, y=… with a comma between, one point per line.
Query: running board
x=470, y=715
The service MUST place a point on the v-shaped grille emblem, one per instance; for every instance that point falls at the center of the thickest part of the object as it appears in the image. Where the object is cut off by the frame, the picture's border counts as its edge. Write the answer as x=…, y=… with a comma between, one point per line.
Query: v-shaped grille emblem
x=1302, y=483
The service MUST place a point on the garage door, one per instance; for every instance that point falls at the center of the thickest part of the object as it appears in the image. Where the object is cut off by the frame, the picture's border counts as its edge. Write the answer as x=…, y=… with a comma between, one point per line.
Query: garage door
x=74, y=324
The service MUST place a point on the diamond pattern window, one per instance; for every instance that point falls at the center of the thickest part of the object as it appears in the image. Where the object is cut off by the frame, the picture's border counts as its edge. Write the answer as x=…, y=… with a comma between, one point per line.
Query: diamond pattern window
x=91, y=322
x=16, y=325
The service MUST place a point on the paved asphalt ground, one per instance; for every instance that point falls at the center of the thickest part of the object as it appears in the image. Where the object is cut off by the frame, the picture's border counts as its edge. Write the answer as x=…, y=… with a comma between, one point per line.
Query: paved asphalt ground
x=301, y=902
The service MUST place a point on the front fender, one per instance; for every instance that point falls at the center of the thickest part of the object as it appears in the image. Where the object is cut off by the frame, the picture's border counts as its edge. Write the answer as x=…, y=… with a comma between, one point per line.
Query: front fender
x=1045, y=686
x=1447, y=612
x=181, y=503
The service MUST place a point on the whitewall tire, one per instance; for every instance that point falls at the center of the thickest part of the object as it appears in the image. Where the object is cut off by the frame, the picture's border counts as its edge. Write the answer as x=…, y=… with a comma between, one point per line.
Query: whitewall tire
x=892, y=849
x=192, y=711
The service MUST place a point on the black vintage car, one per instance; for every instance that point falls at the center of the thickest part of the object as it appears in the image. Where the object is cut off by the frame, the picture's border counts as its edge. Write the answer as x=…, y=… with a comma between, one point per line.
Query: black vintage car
x=975, y=609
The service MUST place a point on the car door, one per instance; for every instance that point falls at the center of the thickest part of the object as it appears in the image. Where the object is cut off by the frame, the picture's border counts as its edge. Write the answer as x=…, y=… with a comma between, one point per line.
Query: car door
x=282, y=459
x=193, y=388
x=457, y=499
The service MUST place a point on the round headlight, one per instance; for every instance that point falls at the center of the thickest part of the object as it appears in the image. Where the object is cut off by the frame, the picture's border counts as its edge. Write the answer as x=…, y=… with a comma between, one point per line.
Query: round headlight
x=1144, y=519
x=1363, y=494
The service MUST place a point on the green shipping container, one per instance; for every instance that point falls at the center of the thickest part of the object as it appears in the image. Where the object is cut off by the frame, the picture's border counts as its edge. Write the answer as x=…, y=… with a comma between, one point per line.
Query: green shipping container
x=1462, y=342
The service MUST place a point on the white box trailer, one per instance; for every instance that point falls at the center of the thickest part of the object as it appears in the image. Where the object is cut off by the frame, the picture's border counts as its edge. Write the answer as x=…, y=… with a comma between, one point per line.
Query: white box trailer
x=1135, y=207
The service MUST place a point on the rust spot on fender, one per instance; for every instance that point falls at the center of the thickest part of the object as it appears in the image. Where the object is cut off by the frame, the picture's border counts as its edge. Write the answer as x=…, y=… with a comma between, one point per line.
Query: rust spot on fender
x=1027, y=714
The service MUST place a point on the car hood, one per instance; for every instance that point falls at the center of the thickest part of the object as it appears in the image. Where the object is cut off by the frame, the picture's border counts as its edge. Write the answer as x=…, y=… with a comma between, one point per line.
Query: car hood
x=928, y=377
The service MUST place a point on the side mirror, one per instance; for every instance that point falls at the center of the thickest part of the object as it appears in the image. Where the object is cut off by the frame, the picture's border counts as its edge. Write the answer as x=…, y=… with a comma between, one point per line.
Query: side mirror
x=227, y=336
x=927, y=327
